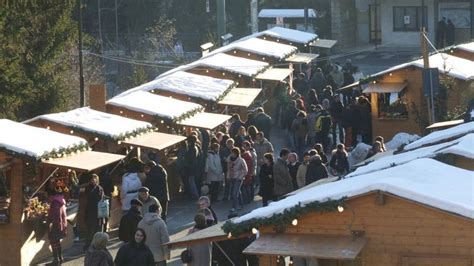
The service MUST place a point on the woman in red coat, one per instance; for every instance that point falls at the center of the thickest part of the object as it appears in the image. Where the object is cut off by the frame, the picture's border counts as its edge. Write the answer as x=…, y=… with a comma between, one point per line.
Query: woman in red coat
x=57, y=222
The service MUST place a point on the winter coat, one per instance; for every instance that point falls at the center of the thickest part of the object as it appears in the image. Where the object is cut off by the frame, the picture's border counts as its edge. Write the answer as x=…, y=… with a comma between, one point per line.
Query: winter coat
x=315, y=171
x=192, y=163
x=57, y=218
x=94, y=195
x=281, y=177
x=128, y=224
x=301, y=86
x=134, y=254
x=337, y=111
x=266, y=181
x=339, y=163
x=263, y=122
x=237, y=169
x=301, y=175
x=147, y=203
x=201, y=252
x=300, y=127
x=213, y=168
x=254, y=161
x=247, y=156
x=156, y=235
x=293, y=169
x=98, y=257
x=129, y=190
x=312, y=116
x=318, y=82
x=157, y=182
x=261, y=148
x=234, y=127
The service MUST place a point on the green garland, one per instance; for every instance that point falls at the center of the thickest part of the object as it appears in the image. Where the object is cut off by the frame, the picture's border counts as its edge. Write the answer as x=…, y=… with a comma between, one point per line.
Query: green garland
x=368, y=79
x=120, y=137
x=55, y=153
x=281, y=220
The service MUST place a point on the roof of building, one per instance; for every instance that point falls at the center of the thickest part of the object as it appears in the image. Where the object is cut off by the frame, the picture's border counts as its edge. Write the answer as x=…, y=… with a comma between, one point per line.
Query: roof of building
x=238, y=65
x=286, y=13
x=261, y=47
x=289, y=35
x=442, y=136
x=468, y=47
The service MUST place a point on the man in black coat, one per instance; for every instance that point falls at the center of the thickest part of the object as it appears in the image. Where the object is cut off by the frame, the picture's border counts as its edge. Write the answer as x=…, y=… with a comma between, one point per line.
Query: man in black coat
x=129, y=222
x=263, y=122
x=157, y=183
x=94, y=193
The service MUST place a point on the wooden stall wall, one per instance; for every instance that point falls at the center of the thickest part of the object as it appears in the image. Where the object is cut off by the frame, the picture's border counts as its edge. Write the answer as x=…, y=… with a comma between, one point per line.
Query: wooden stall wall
x=462, y=54
x=397, y=231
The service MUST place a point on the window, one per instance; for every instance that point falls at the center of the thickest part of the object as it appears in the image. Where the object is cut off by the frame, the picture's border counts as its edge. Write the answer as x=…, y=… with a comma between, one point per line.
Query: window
x=392, y=105
x=408, y=18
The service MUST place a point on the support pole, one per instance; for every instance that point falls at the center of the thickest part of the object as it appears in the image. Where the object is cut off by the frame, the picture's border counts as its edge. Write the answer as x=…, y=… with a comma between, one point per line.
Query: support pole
x=81, y=70
x=221, y=21
x=426, y=65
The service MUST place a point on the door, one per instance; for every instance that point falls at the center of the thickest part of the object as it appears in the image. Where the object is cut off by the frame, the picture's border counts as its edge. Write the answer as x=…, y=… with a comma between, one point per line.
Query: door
x=375, y=32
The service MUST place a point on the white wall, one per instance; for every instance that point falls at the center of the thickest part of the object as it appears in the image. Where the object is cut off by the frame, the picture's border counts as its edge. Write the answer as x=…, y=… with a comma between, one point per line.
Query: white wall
x=404, y=38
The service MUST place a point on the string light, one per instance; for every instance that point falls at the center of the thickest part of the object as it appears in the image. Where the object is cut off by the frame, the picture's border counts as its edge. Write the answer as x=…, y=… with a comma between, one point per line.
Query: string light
x=278, y=40
x=69, y=170
x=207, y=70
x=119, y=142
x=152, y=91
x=121, y=112
x=229, y=235
x=294, y=222
x=263, y=58
x=96, y=139
x=48, y=128
x=340, y=208
x=72, y=131
x=27, y=164
x=254, y=231
x=374, y=81
x=248, y=54
x=235, y=52
x=391, y=74
x=223, y=74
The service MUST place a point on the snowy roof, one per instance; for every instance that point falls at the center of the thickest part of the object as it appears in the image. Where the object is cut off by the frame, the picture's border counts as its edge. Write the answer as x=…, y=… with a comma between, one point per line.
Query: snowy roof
x=285, y=13
x=155, y=105
x=289, y=35
x=34, y=141
x=456, y=146
x=262, y=47
x=425, y=181
x=468, y=47
x=239, y=65
x=447, y=64
x=442, y=135
x=184, y=83
x=94, y=121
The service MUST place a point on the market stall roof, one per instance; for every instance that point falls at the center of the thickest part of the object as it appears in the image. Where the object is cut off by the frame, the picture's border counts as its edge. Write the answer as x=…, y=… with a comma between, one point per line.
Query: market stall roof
x=234, y=64
x=425, y=181
x=21, y=139
x=154, y=140
x=323, y=43
x=204, y=120
x=209, y=234
x=442, y=135
x=352, y=85
x=262, y=47
x=240, y=97
x=184, y=83
x=445, y=124
x=447, y=64
x=307, y=245
x=286, y=13
x=276, y=74
x=84, y=161
x=155, y=105
x=290, y=35
x=96, y=122
x=381, y=87
x=468, y=47
x=305, y=58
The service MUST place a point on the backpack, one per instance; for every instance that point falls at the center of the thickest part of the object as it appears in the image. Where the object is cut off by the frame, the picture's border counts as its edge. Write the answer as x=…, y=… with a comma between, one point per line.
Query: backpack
x=186, y=256
x=323, y=122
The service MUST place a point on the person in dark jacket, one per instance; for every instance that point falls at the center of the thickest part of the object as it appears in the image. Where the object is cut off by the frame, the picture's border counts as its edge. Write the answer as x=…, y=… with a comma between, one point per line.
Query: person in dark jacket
x=266, y=179
x=365, y=122
x=129, y=222
x=106, y=182
x=236, y=123
x=94, y=193
x=450, y=30
x=56, y=221
x=319, y=148
x=263, y=122
x=336, y=110
x=135, y=251
x=283, y=183
x=97, y=254
x=157, y=183
x=316, y=170
x=192, y=164
x=300, y=84
x=205, y=203
x=293, y=165
x=339, y=163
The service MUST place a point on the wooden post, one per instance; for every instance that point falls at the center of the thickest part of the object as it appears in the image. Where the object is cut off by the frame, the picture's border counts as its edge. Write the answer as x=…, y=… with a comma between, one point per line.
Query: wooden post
x=97, y=97
x=426, y=65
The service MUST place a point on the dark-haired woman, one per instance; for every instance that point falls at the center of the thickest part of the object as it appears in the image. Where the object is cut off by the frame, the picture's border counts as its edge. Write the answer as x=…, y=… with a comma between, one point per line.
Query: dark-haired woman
x=57, y=221
x=266, y=179
x=135, y=252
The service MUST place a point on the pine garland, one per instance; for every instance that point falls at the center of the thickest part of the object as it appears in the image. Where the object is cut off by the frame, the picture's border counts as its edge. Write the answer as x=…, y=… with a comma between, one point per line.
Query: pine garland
x=120, y=137
x=54, y=153
x=368, y=79
x=281, y=220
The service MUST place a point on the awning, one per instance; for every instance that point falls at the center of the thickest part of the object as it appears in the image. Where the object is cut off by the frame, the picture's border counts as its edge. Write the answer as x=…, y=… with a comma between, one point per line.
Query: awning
x=240, y=97
x=277, y=74
x=350, y=86
x=385, y=87
x=307, y=245
x=323, y=43
x=209, y=234
x=84, y=161
x=302, y=58
x=205, y=120
x=154, y=140
x=445, y=124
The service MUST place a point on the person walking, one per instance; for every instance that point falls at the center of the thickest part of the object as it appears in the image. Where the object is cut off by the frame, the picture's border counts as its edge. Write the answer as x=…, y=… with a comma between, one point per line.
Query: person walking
x=213, y=171
x=299, y=127
x=157, y=183
x=225, y=158
x=135, y=251
x=237, y=170
x=301, y=173
x=97, y=253
x=283, y=183
x=336, y=110
x=129, y=221
x=157, y=234
x=95, y=193
x=450, y=33
x=57, y=221
x=147, y=200
x=339, y=162
x=262, y=146
x=191, y=167
x=263, y=122
x=293, y=165
x=130, y=183
x=316, y=170
x=266, y=179
x=201, y=253
x=247, y=191
x=441, y=33
x=323, y=125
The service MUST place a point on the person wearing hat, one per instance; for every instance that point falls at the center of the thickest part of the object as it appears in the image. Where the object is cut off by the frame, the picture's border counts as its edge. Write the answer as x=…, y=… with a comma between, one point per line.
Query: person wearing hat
x=147, y=200
x=129, y=222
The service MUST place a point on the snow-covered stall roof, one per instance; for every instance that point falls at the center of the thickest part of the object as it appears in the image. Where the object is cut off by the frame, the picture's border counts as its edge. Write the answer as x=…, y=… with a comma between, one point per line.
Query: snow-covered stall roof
x=155, y=105
x=239, y=65
x=262, y=47
x=286, y=13
x=184, y=83
x=425, y=181
x=289, y=35
x=447, y=64
x=93, y=121
x=456, y=146
x=468, y=47
x=18, y=138
x=441, y=135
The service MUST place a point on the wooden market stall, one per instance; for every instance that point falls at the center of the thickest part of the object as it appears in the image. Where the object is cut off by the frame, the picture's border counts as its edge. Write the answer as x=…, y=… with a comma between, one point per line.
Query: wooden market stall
x=465, y=50
x=31, y=156
x=397, y=99
x=297, y=38
x=388, y=217
x=114, y=134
